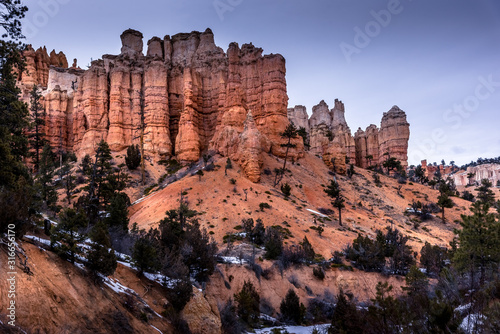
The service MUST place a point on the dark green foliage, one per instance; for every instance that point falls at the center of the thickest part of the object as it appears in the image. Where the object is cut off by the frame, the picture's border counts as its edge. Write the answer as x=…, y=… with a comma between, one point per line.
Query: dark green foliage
x=433, y=259
x=64, y=237
x=133, y=157
x=384, y=314
x=118, y=211
x=309, y=253
x=286, y=189
x=291, y=309
x=350, y=171
x=333, y=191
x=485, y=194
x=145, y=254
x=248, y=301
x=303, y=133
x=263, y=206
x=44, y=181
x=258, y=233
x=101, y=258
x=346, y=318
x=366, y=254
x=179, y=292
x=200, y=174
x=16, y=188
x=68, y=181
x=37, y=123
x=289, y=134
x=85, y=164
x=273, y=243
x=466, y=195
x=392, y=164
x=229, y=319
x=248, y=226
x=479, y=240
x=444, y=200
x=417, y=282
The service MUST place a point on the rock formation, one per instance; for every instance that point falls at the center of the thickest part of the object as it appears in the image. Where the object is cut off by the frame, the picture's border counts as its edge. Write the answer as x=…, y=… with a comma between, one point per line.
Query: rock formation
x=486, y=171
x=330, y=137
x=185, y=96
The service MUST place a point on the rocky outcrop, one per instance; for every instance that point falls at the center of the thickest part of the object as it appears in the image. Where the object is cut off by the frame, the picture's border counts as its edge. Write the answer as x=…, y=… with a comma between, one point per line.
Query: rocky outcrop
x=298, y=115
x=330, y=136
x=185, y=96
x=394, y=135
x=200, y=316
x=490, y=172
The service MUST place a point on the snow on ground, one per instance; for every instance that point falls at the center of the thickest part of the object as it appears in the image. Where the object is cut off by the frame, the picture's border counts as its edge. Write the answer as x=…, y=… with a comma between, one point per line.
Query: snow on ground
x=157, y=329
x=317, y=213
x=293, y=329
x=469, y=323
x=38, y=239
x=463, y=308
x=50, y=220
x=233, y=260
x=115, y=285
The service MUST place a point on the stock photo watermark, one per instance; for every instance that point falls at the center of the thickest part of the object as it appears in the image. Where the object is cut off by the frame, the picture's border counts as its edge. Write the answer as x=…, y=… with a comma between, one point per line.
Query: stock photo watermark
x=11, y=274
x=48, y=9
x=363, y=36
x=454, y=117
x=223, y=6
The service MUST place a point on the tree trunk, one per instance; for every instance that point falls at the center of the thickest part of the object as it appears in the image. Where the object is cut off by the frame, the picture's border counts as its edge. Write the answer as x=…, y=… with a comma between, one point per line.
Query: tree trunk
x=340, y=216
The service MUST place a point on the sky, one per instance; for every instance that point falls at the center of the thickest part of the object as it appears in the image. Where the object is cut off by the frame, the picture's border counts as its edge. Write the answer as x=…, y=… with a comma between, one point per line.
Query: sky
x=437, y=60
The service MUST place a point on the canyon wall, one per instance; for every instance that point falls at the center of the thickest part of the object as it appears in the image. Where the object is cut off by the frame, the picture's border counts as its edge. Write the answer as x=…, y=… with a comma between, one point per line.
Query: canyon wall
x=478, y=173
x=186, y=96
x=329, y=136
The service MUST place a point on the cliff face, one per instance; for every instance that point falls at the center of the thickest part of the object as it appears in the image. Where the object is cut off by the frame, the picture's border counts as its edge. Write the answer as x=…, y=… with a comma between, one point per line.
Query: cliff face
x=185, y=95
x=330, y=137
x=490, y=172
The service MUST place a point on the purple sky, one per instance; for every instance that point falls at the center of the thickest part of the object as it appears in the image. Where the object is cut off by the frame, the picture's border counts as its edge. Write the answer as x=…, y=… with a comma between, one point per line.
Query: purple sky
x=438, y=61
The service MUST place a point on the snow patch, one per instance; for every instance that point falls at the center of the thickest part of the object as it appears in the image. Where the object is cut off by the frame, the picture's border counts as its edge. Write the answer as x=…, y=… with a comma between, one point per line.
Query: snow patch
x=470, y=322
x=38, y=239
x=233, y=260
x=157, y=329
x=317, y=213
x=293, y=329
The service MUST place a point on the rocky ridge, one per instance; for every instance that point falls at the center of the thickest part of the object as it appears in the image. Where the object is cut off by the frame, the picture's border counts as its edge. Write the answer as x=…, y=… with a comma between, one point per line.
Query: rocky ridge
x=330, y=137
x=186, y=95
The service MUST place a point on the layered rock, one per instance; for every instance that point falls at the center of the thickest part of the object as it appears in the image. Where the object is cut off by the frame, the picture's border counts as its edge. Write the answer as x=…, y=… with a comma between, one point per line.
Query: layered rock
x=490, y=172
x=330, y=136
x=184, y=97
x=298, y=115
x=394, y=135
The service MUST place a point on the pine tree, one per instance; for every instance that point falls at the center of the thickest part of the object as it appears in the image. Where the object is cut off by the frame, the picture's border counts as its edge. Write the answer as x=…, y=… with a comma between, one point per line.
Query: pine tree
x=68, y=180
x=65, y=237
x=292, y=309
x=485, y=194
x=248, y=300
x=16, y=186
x=118, y=211
x=308, y=250
x=346, y=318
x=286, y=189
x=333, y=191
x=444, y=200
x=479, y=241
x=145, y=254
x=37, y=122
x=101, y=258
x=289, y=134
x=45, y=177
x=133, y=157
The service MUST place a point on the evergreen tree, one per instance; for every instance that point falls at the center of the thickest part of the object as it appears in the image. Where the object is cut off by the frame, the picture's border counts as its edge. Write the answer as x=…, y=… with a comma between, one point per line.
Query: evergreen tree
x=333, y=191
x=273, y=243
x=433, y=259
x=65, y=237
x=289, y=134
x=444, y=200
x=346, y=318
x=118, y=211
x=145, y=254
x=16, y=187
x=485, y=194
x=68, y=180
x=291, y=309
x=286, y=189
x=248, y=301
x=385, y=313
x=309, y=252
x=258, y=233
x=37, y=123
x=45, y=177
x=101, y=257
x=479, y=241
x=133, y=157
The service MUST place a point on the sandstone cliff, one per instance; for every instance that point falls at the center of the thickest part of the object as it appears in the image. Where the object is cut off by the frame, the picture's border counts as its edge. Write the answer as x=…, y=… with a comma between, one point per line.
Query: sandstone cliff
x=186, y=95
x=330, y=137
